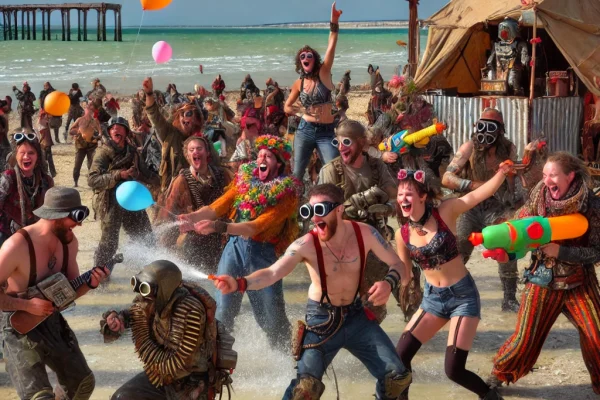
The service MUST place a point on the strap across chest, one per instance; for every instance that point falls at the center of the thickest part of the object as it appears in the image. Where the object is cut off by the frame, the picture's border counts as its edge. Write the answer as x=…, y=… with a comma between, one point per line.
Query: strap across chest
x=321, y=263
x=33, y=261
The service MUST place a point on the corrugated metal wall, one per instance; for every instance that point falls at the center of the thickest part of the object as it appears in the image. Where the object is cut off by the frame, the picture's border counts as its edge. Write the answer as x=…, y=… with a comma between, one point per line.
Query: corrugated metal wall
x=559, y=119
x=461, y=113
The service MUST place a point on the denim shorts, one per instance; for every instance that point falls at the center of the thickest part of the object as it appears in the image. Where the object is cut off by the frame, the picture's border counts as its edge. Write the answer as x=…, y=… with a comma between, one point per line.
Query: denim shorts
x=460, y=299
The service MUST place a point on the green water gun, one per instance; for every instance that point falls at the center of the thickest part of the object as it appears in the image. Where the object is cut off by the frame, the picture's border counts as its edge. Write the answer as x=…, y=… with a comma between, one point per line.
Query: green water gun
x=512, y=240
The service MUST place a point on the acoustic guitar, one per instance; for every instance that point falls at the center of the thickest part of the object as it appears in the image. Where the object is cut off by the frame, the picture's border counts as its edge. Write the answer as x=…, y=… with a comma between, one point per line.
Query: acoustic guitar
x=57, y=289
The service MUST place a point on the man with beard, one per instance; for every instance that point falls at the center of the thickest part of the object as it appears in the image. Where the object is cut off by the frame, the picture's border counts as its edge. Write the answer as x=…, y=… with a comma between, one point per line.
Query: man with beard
x=366, y=182
x=474, y=163
x=335, y=314
x=33, y=254
x=26, y=99
x=187, y=121
x=199, y=185
x=175, y=335
x=560, y=278
x=85, y=131
x=263, y=202
x=116, y=162
x=54, y=122
x=22, y=188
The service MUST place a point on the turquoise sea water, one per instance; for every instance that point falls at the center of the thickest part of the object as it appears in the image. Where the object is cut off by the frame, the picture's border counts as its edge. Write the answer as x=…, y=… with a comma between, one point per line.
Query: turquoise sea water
x=232, y=52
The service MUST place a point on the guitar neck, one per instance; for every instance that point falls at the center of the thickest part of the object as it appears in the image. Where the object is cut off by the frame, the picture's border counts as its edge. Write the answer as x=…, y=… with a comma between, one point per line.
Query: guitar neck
x=85, y=277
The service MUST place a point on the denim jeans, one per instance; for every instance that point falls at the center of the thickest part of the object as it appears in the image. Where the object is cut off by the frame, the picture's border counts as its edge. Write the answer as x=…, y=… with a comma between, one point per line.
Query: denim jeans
x=242, y=257
x=460, y=299
x=308, y=137
x=362, y=337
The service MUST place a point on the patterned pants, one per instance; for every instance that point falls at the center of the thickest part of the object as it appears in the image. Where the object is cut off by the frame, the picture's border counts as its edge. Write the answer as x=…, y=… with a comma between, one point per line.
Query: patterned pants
x=540, y=307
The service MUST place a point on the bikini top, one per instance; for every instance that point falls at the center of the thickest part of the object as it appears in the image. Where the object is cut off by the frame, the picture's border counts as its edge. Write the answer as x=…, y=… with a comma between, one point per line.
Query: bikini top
x=441, y=249
x=320, y=94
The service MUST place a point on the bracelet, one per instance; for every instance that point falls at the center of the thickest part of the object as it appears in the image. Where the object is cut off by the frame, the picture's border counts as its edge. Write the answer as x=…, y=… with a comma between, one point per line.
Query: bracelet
x=242, y=284
x=392, y=279
x=334, y=27
x=220, y=226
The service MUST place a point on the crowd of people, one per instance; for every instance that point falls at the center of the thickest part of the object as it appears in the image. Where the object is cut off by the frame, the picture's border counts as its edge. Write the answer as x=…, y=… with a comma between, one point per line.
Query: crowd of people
x=246, y=195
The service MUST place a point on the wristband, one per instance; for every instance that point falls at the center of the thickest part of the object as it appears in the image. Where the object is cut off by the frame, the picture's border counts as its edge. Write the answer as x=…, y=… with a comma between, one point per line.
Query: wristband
x=220, y=226
x=392, y=278
x=242, y=284
x=334, y=27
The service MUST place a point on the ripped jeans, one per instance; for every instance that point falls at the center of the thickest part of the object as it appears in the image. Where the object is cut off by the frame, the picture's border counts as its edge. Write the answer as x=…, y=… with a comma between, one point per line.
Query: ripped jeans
x=52, y=344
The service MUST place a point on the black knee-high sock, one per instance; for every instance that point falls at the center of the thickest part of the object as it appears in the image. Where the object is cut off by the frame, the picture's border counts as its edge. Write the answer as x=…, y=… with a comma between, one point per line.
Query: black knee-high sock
x=456, y=359
x=407, y=347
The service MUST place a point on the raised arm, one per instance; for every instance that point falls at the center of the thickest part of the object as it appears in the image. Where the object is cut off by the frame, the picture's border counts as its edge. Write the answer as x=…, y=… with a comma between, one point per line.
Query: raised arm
x=325, y=72
x=267, y=276
x=483, y=192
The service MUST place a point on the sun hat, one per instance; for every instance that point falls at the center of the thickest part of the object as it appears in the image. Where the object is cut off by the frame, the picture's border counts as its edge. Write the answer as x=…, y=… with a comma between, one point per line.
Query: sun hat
x=59, y=201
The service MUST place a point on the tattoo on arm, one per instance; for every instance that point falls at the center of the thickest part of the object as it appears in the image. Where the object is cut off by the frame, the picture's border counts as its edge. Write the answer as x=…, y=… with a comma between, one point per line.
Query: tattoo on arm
x=380, y=238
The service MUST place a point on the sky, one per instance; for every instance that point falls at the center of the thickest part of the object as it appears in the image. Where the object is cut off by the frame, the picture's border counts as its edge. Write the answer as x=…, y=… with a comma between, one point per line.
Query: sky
x=250, y=12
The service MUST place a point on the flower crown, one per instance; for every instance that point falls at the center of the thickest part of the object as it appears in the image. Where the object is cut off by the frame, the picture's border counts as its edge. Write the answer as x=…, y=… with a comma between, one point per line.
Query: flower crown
x=275, y=144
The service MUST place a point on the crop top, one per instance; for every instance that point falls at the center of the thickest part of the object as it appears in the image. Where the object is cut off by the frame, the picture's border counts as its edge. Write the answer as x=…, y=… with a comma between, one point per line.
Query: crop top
x=319, y=95
x=441, y=249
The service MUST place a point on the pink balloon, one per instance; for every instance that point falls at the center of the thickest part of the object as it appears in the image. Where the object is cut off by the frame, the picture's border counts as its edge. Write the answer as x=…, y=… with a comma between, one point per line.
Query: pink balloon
x=162, y=52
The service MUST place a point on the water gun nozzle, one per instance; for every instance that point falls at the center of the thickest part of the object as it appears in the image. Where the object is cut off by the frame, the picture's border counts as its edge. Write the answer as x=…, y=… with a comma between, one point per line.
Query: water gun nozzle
x=476, y=238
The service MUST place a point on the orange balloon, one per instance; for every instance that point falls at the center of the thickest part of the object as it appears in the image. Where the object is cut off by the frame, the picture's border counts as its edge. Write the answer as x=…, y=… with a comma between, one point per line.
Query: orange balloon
x=154, y=4
x=57, y=103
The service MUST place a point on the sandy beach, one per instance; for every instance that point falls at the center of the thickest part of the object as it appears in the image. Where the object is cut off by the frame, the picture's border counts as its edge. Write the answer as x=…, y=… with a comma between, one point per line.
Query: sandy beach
x=263, y=373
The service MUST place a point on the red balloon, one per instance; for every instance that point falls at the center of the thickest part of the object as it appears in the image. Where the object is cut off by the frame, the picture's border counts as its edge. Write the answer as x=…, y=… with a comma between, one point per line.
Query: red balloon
x=154, y=4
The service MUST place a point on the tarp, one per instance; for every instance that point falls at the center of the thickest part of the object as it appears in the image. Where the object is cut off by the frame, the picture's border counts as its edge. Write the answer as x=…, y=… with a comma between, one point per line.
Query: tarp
x=457, y=43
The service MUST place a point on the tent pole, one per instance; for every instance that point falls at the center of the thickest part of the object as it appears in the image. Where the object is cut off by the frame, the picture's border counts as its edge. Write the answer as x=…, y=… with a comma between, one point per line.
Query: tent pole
x=534, y=43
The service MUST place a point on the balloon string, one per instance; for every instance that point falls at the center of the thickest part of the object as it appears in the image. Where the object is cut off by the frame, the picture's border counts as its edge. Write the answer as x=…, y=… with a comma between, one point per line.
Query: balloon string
x=134, y=44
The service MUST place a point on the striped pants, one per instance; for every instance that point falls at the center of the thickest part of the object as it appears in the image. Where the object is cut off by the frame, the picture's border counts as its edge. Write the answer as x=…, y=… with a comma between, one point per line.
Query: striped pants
x=540, y=307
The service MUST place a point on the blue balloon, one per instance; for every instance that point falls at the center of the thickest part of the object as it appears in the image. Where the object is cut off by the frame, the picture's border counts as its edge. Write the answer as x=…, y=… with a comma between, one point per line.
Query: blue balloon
x=133, y=196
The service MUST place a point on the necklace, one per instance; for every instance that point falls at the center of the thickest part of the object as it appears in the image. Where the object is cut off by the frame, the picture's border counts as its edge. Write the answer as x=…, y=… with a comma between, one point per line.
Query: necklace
x=418, y=225
x=339, y=260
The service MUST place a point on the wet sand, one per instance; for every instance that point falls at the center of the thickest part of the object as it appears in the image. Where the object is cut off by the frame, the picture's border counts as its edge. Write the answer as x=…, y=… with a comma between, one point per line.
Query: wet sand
x=263, y=373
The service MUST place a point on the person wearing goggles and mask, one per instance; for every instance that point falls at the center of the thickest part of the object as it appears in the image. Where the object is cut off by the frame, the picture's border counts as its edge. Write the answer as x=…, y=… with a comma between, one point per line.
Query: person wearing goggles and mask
x=33, y=254
x=262, y=202
x=475, y=162
x=366, y=182
x=22, y=187
x=174, y=336
x=113, y=163
x=334, y=253
x=316, y=128
x=188, y=121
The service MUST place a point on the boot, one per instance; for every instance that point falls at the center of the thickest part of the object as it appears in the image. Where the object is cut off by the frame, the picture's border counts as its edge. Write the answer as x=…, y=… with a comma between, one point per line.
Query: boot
x=493, y=395
x=56, y=136
x=75, y=185
x=510, y=303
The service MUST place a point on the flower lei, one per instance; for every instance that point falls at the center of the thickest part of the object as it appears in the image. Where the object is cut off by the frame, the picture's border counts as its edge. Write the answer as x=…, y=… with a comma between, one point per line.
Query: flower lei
x=254, y=196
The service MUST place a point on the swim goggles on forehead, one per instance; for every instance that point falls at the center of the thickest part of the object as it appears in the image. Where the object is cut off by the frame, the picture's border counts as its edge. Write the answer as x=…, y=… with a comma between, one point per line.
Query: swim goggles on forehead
x=20, y=136
x=418, y=175
x=306, y=55
x=79, y=214
x=319, y=209
x=345, y=141
x=143, y=288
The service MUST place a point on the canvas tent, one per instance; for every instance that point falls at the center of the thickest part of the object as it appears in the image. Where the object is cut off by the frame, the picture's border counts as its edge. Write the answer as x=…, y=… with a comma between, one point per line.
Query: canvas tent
x=457, y=40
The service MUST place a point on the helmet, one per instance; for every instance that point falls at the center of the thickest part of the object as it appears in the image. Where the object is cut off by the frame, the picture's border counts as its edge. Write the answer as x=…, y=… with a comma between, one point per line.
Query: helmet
x=508, y=30
x=492, y=114
x=157, y=280
x=119, y=121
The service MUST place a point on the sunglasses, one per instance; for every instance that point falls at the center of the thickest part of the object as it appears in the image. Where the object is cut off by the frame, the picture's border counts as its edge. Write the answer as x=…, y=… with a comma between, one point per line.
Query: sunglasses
x=79, y=214
x=347, y=142
x=321, y=209
x=487, y=126
x=143, y=288
x=188, y=114
x=418, y=175
x=19, y=137
x=308, y=56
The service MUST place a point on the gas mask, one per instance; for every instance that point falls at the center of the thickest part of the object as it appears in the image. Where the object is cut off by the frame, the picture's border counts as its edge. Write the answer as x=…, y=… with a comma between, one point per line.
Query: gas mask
x=157, y=281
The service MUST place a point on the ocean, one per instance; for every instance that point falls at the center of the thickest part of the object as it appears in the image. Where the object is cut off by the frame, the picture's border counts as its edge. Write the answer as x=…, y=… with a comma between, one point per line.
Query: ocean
x=231, y=52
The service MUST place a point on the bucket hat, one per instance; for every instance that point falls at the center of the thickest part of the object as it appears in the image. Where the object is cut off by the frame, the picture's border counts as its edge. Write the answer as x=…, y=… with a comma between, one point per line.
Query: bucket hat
x=59, y=201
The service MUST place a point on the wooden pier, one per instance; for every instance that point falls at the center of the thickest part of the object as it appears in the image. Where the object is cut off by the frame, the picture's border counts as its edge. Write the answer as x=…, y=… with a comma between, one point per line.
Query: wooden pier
x=29, y=13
